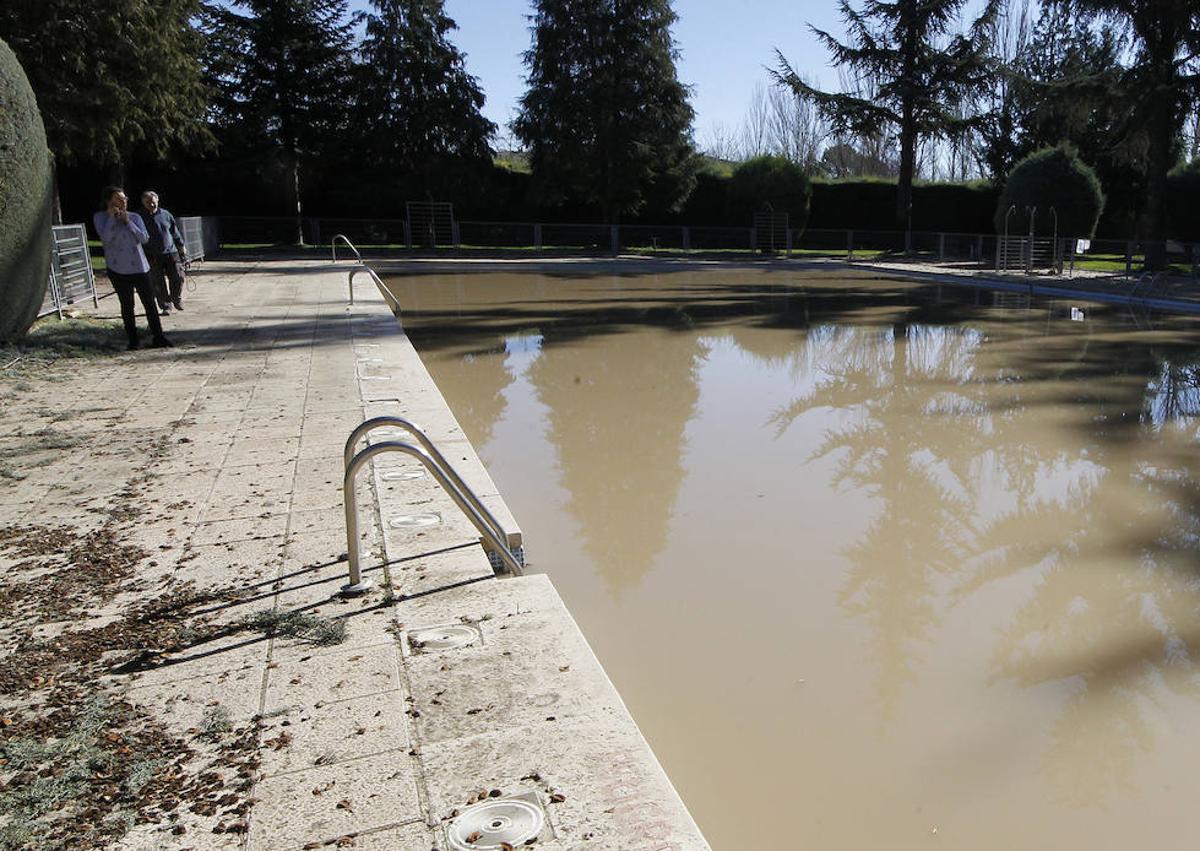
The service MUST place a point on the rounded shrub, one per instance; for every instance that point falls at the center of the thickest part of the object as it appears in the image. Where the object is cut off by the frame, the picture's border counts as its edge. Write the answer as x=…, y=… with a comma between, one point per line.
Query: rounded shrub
x=769, y=180
x=27, y=184
x=1052, y=177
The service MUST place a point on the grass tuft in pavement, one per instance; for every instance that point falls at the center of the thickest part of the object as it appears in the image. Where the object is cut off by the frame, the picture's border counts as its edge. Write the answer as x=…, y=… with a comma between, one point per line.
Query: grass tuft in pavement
x=323, y=632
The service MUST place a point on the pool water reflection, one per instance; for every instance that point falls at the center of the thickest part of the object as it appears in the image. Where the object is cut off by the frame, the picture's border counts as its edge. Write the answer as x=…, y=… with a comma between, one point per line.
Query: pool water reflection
x=890, y=564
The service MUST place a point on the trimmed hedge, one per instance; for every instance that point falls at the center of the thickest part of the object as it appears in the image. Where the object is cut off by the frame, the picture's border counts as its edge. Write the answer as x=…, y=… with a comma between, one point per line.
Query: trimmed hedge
x=1183, y=192
x=870, y=204
x=26, y=185
x=1052, y=178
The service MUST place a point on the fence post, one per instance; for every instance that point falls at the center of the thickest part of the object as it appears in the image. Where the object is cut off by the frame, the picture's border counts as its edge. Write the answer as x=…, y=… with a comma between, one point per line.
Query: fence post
x=537, y=236
x=850, y=246
x=941, y=248
x=979, y=249
x=407, y=234
x=788, y=242
x=454, y=235
x=687, y=238
x=1129, y=258
x=615, y=237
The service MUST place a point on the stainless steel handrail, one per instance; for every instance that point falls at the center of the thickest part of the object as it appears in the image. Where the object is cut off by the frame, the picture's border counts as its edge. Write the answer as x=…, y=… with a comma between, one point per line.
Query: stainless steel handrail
x=428, y=445
x=357, y=585
x=378, y=283
x=349, y=244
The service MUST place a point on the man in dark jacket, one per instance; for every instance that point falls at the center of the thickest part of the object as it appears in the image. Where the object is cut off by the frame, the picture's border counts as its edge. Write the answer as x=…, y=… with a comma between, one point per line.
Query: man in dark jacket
x=165, y=252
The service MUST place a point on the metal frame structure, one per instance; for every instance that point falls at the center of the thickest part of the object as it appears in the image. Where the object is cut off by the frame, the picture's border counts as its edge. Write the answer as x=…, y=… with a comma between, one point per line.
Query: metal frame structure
x=200, y=235
x=71, y=276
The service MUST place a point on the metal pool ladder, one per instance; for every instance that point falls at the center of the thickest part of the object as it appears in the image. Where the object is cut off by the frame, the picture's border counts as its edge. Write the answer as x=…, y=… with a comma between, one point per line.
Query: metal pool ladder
x=361, y=267
x=333, y=246
x=497, y=540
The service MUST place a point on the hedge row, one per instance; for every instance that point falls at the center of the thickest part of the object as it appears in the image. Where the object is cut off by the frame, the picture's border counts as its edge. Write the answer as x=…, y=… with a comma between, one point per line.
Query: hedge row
x=214, y=188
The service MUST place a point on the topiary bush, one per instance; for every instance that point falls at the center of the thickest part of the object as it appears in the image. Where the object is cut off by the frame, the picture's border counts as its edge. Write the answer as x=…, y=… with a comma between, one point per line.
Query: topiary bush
x=769, y=180
x=26, y=187
x=1052, y=177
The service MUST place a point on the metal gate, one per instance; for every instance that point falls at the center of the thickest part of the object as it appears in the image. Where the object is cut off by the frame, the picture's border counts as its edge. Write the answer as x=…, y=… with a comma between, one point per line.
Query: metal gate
x=71, y=276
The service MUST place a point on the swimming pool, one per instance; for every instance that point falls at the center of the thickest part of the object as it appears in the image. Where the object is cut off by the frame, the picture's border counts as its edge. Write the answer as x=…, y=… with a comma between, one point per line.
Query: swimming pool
x=873, y=563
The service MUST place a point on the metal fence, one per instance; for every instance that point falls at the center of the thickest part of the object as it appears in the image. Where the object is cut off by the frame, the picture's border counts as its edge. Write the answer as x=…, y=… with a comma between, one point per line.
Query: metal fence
x=983, y=251
x=201, y=235
x=71, y=276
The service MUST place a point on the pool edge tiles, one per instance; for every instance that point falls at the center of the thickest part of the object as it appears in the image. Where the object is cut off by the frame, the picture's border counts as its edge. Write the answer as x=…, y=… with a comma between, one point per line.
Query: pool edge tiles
x=527, y=709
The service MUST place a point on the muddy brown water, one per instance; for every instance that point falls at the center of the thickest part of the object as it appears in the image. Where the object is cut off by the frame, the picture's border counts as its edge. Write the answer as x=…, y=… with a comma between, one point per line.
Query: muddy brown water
x=874, y=564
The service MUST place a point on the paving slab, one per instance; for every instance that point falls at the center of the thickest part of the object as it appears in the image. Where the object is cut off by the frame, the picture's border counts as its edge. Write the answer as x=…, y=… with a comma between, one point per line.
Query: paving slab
x=373, y=741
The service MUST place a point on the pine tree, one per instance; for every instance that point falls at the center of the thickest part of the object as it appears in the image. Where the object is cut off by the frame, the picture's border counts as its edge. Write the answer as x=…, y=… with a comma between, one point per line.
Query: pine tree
x=281, y=70
x=113, y=78
x=421, y=106
x=922, y=73
x=605, y=117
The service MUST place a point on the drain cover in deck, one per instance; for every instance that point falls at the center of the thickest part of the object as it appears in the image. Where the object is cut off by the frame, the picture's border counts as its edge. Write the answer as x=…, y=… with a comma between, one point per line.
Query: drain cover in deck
x=388, y=433
x=485, y=826
x=433, y=639
x=409, y=521
x=402, y=475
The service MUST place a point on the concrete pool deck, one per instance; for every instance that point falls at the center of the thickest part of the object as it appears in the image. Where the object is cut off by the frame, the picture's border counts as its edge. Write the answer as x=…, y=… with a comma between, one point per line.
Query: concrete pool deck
x=233, y=444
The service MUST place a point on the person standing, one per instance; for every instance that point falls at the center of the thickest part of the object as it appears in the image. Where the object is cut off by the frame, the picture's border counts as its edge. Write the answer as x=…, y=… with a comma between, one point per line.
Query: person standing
x=165, y=252
x=123, y=235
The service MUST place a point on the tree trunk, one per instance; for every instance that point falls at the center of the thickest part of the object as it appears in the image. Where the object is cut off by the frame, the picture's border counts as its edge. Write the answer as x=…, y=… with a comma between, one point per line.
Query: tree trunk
x=296, y=190
x=1158, y=163
x=908, y=153
x=908, y=124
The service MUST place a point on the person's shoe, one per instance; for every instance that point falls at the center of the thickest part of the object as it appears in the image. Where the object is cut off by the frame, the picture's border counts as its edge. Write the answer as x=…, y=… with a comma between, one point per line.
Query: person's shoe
x=179, y=305
x=164, y=310
x=134, y=345
x=162, y=343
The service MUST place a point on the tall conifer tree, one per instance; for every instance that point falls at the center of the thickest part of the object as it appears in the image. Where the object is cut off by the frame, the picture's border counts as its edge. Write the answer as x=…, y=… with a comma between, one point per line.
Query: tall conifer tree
x=422, y=108
x=1162, y=82
x=922, y=73
x=113, y=78
x=605, y=117
x=282, y=73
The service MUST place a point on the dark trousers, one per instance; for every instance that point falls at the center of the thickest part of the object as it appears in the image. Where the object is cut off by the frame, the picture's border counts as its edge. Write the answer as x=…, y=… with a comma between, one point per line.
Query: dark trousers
x=164, y=270
x=125, y=285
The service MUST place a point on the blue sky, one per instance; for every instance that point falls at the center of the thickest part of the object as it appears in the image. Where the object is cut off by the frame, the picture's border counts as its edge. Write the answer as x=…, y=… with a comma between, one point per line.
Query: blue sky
x=723, y=47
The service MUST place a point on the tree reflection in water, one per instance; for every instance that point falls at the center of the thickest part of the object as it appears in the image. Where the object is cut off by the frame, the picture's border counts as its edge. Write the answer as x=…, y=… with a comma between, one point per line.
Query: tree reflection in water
x=1105, y=530
x=1026, y=575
